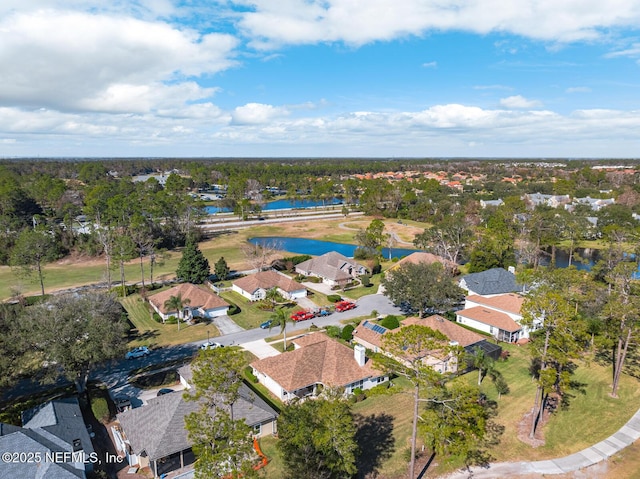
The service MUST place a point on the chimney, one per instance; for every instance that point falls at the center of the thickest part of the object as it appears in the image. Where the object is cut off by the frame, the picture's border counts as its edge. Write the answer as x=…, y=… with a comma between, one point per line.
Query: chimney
x=359, y=354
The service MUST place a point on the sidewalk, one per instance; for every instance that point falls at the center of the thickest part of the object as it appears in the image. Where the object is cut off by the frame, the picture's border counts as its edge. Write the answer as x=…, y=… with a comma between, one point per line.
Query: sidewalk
x=626, y=435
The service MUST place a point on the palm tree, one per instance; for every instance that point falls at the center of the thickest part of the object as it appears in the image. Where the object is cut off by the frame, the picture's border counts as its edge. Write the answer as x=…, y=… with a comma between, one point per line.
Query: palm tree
x=484, y=363
x=273, y=296
x=177, y=303
x=280, y=317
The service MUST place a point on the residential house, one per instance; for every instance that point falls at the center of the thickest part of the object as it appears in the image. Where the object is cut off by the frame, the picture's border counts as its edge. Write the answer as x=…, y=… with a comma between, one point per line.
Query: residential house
x=495, y=203
x=199, y=302
x=595, y=204
x=538, y=199
x=255, y=286
x=425, y=258
x=334, y=269
x=491, y=282
x=498, y=315
x=54, y=429
x=317, y=362
x=154, y=435
x=369, y=334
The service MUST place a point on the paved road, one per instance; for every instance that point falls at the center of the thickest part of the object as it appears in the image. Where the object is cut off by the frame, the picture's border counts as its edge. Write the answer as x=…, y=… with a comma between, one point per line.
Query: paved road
x=116, y=373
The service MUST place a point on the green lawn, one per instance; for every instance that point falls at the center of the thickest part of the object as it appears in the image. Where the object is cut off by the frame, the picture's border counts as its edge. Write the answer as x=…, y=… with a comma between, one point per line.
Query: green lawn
x=250, y=315
x=591, y=417
x=153, y=334
x=361, y=291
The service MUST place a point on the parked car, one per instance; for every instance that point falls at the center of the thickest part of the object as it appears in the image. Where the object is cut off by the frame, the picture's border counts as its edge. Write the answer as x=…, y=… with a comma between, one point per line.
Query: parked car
x=266, y=324
x=210, y=345
x=344, y=306
x=302, y=315
x=137, y=352
x=322, y=312
x=164, y=391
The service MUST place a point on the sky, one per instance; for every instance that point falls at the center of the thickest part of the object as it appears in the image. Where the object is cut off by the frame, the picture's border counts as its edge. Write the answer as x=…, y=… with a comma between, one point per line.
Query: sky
x=320, y=78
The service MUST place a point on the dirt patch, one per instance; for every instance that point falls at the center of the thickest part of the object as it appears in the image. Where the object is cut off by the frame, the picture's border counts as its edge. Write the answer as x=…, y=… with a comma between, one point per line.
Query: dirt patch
x=524, y=428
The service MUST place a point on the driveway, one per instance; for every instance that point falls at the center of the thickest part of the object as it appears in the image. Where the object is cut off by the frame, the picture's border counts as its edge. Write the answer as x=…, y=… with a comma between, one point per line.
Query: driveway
x=260, y=348
x=226, y=325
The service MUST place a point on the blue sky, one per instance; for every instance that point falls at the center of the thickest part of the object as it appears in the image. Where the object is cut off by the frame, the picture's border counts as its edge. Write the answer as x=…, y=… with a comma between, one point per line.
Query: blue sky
x=318, y=78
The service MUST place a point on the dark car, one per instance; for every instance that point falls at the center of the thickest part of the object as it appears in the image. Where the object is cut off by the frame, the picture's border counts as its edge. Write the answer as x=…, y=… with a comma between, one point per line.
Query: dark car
x=266, y=324
x=164, y=391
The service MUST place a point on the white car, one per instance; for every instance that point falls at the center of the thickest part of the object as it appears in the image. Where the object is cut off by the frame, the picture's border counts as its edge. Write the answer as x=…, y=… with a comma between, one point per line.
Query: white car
x=210, y=345
x=137, y=352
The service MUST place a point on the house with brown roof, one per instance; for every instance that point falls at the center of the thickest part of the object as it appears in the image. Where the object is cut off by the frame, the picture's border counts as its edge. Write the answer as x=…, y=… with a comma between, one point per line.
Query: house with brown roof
x=370, y=334
x=425, y=258
x=201, y=302
x=255, y=286
x=498, y=315
x=317, y=361
x=334, y=268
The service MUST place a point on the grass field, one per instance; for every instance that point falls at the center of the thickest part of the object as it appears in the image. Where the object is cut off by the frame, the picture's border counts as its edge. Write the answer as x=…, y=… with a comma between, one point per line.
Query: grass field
x=72, y=272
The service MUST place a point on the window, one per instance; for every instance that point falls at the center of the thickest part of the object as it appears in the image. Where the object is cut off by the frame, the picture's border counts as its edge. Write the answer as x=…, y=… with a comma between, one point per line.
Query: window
x=257, y=430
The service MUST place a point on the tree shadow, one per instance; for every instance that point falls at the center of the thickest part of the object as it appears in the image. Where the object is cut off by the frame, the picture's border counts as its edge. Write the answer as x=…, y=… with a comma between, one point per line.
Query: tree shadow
x=375, y=439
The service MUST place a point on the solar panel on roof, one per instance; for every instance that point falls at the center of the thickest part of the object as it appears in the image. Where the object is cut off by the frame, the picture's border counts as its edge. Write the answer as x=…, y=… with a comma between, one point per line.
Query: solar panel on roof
x=376, y=328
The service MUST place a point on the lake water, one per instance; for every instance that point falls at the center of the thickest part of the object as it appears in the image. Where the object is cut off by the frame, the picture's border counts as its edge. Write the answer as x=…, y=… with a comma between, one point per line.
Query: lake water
x=318, y=247
x=282, y=204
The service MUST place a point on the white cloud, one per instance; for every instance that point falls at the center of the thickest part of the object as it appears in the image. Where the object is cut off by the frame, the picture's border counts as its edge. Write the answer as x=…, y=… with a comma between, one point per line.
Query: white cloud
x=76, y=61
x=358, y=22
x=632, y=51
x=519, y=102
x=266, y=130
x=257, y=113
x=578, y=89
x=430, y=65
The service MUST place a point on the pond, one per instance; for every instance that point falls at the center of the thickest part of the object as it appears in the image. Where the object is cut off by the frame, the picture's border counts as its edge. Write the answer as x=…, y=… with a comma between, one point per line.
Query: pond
x=319, y=247
x=281, y=204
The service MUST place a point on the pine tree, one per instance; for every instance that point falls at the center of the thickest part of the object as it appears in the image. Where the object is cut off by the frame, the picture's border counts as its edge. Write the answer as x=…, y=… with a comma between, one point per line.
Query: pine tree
x=193, y=266
x=221, y=268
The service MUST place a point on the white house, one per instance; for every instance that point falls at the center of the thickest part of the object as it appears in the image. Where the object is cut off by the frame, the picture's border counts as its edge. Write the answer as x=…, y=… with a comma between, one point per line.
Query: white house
x=201, y=302
x=499, y=315
x=255, y=286
x=317, y=361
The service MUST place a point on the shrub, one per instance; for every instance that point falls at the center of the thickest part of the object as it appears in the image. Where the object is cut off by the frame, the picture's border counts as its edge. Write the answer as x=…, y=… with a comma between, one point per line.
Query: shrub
x=299, y=278
x=377, y=268
x=366, y=280
x=249, y=373
x=297, y=259
x=334, y=331
x=157, y=318
x=100, y=409
x=390, y=322
x=233, y=309
x=359, y=394
x=364, y=253
x=380, y=389
x=334, y=298
x=347, y=332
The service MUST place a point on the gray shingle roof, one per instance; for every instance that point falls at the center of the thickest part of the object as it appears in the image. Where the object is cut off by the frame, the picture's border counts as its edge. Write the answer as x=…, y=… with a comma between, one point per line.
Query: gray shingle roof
x=158, y=428
x=332, y=265
x=61, y=418
x=25, y=440
x=492, y=281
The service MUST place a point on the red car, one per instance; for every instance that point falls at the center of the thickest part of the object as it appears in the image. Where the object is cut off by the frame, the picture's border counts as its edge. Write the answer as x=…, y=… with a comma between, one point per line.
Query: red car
x=302, y=315
x=344, y=306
